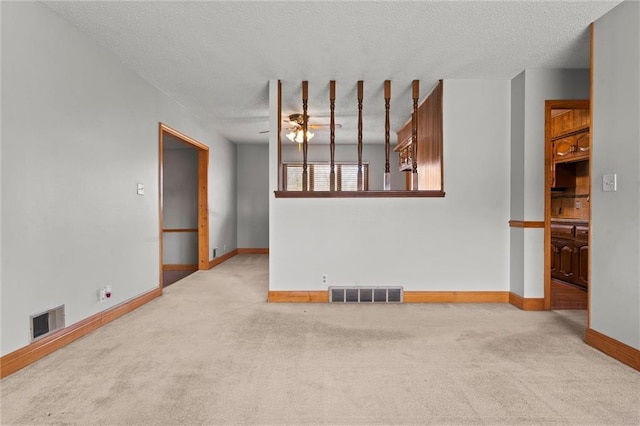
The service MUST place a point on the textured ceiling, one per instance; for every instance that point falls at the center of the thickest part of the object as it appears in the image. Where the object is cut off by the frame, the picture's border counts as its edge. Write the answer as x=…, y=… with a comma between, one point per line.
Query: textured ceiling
x=216, y=57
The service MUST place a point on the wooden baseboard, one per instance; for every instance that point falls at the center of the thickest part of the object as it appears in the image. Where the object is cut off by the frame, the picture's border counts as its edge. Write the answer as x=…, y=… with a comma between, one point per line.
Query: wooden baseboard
x=253, y=250
x=526, y=304
x=456, y=296
x=170, y=267
x=614, y=348
x=224, y=257
x=29, y=354
x=298, y=296
x=409, y=296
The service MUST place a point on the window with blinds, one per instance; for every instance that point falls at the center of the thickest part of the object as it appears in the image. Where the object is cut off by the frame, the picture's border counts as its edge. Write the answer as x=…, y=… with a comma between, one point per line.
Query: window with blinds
x=318, y=176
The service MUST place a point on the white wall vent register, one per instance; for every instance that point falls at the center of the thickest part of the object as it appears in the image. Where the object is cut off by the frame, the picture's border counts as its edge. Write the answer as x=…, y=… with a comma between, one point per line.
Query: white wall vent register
x=46, y=322
x=366, y=295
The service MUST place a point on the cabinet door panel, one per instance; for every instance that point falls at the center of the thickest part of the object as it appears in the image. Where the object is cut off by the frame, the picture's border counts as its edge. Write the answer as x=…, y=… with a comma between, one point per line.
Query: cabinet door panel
x=583, y=142
x=555, y=260
x=582, y=266
x=566, y=261
x=563, y=147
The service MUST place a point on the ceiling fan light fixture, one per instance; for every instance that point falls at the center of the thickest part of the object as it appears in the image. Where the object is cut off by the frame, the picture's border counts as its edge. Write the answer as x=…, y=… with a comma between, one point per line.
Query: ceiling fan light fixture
x=297, y=136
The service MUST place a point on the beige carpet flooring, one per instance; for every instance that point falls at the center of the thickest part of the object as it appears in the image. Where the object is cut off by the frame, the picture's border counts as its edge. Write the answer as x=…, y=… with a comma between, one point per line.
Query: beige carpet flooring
x=211, y=351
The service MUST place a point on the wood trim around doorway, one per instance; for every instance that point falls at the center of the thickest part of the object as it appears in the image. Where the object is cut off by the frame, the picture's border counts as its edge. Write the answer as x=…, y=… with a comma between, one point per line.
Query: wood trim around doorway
x=548, y=181
x=203, y=193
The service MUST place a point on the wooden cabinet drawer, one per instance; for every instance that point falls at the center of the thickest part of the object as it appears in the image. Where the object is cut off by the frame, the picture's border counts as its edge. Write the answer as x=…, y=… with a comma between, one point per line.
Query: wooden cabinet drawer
x=582, y=232
x=562, y=230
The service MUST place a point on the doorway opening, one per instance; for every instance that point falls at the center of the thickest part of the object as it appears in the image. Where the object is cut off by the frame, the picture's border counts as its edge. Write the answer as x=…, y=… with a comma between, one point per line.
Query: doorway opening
x=183, y=205
x=567, y=204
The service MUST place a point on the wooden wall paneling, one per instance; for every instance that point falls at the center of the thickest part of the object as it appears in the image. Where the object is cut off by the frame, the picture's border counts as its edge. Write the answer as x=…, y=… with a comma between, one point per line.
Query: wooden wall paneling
x=430, y=140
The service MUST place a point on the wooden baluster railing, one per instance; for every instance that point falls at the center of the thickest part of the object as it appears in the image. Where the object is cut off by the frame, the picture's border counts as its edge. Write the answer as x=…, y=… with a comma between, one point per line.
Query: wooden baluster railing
x=332, y=125
x=414, y=134
x=360, y=171
x=305, y=97
x=387, y=140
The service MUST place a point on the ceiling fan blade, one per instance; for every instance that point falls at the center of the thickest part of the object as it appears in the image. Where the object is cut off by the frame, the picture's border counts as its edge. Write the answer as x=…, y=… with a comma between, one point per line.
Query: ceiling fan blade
x=322, y=126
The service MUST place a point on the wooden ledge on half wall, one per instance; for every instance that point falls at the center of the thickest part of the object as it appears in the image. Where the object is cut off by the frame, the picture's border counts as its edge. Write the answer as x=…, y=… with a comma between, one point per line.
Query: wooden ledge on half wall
x=359, y=194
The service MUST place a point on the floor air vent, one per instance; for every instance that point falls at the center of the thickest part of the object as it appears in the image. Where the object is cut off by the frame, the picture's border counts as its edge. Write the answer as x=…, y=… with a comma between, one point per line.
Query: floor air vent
x=47, y=322
x=365, y=295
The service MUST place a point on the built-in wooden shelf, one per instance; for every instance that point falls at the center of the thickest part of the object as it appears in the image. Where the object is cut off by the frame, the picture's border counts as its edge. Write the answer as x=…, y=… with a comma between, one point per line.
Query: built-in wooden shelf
x=359, y=194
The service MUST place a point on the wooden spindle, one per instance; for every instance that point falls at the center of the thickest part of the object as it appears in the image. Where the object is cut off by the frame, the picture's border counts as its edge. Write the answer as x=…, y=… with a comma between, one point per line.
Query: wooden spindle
x=414, y=134
x=305, y=97
x=281, y=187
x=360, y=172
x=387, y=139
x=332, y=145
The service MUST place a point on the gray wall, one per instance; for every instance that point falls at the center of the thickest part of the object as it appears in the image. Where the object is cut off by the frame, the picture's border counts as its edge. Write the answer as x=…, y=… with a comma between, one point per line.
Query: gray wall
x=372, y=241
x=371, y=153
x=180, y=205
x=79, y=131
x=615, y=220
x=529, y=91
x=253, y=196
x=516, y=237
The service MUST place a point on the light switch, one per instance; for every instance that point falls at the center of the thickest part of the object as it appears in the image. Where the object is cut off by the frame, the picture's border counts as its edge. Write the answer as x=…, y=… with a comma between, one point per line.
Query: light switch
x=141, y=189
x=609, y=182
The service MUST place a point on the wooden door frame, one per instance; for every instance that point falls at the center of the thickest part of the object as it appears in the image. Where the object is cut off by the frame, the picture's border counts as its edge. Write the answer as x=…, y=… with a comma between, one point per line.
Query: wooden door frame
x=203, y=193
x=548, y=180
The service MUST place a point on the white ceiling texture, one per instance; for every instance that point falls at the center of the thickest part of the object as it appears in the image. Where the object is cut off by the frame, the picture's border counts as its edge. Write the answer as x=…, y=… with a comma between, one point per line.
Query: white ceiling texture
x=216, y=57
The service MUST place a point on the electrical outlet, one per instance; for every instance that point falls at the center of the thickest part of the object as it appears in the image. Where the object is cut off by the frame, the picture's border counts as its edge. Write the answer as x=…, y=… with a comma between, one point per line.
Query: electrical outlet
x=101, y=295
x=215, y=250
x=324, y=279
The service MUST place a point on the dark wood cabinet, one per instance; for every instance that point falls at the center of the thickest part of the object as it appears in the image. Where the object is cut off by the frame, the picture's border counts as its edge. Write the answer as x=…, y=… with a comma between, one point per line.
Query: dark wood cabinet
x=570, y=253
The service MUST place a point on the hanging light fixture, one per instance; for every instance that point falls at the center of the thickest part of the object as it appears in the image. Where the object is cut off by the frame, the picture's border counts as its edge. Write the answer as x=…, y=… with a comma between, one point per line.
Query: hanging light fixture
x=297, y=135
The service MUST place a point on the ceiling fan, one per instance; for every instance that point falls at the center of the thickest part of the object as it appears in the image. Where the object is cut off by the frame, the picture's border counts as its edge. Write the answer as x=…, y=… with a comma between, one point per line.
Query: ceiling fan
x=295, y=125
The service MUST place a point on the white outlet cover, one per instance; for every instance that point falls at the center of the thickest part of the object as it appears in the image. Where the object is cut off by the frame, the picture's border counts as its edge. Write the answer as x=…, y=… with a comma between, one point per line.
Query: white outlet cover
x=141, y=189
x=610, y=182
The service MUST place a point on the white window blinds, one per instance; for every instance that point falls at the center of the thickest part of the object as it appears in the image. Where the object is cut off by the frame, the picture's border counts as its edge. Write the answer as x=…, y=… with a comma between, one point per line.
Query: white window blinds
x=318, y=173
